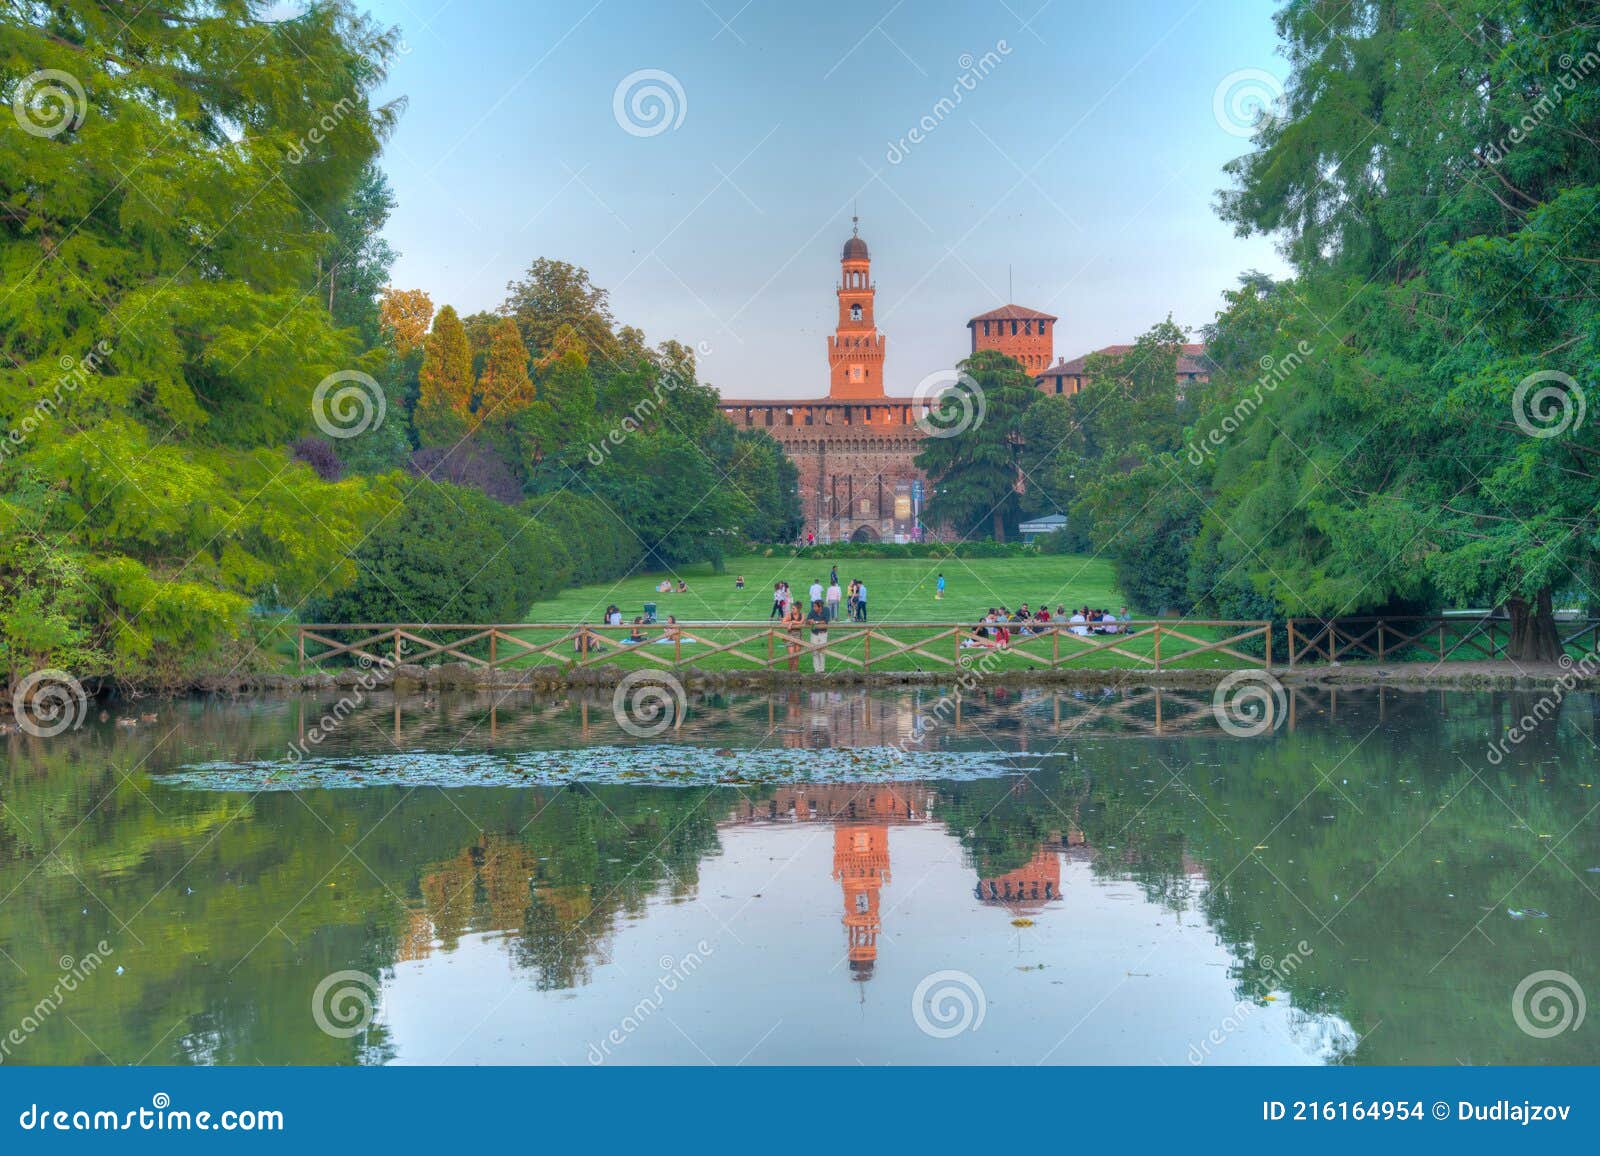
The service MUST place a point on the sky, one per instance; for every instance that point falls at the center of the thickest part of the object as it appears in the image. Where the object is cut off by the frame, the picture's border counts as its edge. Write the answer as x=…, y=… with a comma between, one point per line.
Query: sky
x=1079, y=165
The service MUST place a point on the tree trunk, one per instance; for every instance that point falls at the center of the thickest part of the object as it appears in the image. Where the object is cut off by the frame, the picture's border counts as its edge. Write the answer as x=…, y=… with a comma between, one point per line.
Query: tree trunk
x=1533, y=630
x=999, y=525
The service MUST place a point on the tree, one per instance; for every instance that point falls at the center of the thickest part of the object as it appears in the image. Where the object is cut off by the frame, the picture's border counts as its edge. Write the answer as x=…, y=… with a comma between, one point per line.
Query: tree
x=356, y=260
x=161, y=239
x=973, y=461
x=556, y=308
x=405, y=315
x=504, y=387
x=445, y=383
x=1434, y=178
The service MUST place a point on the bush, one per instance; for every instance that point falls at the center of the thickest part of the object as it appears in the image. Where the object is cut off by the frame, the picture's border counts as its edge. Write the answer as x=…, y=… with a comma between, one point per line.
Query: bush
x=599, y=546
x=469, y=463
x=452, y=554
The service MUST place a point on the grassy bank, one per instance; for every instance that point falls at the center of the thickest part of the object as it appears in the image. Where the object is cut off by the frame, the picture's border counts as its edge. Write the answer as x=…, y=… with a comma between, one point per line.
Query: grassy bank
x=899, y=590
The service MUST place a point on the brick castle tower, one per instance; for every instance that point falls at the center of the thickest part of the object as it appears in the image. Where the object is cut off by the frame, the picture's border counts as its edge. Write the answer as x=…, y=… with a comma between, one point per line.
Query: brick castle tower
x=1016, y=331
x=856, y=349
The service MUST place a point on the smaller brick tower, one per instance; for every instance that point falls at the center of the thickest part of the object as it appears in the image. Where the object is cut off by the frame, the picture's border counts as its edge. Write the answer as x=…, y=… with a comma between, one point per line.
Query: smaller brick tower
x=1019, y=332
x=855, y=351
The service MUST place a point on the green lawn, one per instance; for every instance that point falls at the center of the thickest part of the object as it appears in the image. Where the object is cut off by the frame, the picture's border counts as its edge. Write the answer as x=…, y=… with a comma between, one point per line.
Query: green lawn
x=899, y=590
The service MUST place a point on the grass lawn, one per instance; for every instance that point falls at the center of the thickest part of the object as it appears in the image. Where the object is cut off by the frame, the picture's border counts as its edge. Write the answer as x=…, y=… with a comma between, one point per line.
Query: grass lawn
x=898, y=590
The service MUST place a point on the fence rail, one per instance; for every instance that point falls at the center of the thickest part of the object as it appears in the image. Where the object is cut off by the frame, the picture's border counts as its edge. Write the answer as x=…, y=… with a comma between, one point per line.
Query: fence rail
x=1436, y=637
x=1152, y=645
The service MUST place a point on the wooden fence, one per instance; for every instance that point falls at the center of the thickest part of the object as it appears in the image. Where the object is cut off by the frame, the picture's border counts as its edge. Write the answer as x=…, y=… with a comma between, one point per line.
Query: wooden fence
x=1426, y=637
x=1148, y=645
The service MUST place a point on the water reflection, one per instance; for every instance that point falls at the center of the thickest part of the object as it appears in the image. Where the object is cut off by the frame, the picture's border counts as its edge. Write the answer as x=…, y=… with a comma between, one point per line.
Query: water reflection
x=1140, y=890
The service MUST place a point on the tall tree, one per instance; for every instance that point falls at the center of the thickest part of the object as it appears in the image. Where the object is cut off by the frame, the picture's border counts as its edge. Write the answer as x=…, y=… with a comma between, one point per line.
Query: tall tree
x=445, y=383
x=557, y=307
x=163, y=213
x=1434, y=177
x=973, y=460
x=504, y=387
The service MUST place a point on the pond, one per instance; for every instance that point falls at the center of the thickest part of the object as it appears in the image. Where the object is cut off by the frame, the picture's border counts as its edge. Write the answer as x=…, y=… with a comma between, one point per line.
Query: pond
x=851, y=876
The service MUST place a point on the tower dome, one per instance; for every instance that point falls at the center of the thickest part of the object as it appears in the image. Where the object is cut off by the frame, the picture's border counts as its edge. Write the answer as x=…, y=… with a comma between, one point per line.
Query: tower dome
x=855, y=249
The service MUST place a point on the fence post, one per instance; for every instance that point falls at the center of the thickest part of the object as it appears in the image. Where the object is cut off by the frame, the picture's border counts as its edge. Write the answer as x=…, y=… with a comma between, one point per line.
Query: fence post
x=300, y=645
x=1441, y=640
x=770, y=646
x=867, y=659
x=397, y=646
x=1269, y=646
x=494, y=635
x=1158, y=646
x=1291, y=644
x=1380, y=640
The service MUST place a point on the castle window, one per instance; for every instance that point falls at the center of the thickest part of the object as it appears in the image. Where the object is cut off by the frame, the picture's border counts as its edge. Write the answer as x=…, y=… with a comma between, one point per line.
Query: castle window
x=1013, y=329
x=855, y=313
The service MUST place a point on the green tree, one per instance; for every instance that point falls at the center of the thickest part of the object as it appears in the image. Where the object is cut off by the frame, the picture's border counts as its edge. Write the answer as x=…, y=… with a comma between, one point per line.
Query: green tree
x=973, y=461
x=1434, y=177
x=164, y=328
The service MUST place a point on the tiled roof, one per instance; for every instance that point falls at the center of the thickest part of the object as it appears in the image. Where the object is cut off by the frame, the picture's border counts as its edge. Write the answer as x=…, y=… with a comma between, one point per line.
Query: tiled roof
x=1013, y=313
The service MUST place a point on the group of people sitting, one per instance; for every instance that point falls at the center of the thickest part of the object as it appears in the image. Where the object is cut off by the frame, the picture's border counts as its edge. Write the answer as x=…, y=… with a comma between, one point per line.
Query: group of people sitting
x=613, y=617
x=997, y=627
x=665, y=586
x=853, y=599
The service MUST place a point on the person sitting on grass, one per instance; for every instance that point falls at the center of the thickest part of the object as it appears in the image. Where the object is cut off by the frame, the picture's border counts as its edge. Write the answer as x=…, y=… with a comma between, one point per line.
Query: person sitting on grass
x=664, y=586
x=683, y=587
x=738, y=582
x=636, y=635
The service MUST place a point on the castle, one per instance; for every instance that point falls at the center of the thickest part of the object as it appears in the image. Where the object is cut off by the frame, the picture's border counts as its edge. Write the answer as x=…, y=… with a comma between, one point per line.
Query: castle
x=856, y=448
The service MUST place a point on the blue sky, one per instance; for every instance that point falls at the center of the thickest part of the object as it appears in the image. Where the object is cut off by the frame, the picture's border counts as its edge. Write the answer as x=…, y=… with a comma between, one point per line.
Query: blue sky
x=1085, y=154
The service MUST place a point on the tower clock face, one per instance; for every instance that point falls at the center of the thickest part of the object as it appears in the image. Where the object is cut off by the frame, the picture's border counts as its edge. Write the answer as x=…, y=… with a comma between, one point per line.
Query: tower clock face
x=855, y=313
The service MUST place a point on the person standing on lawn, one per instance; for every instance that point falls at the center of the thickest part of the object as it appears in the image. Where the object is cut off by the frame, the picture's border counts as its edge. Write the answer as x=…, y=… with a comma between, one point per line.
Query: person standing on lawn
x=818, y=621
x=938, y=589
x=834, y=594
x=861, y=601
x=792, y=622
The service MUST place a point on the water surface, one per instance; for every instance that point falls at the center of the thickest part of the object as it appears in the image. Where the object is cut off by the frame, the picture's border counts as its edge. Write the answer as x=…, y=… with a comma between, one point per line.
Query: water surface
x=840, y=877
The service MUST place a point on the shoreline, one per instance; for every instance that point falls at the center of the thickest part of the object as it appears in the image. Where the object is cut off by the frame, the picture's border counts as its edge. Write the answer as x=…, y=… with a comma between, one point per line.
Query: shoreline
x=407, y=679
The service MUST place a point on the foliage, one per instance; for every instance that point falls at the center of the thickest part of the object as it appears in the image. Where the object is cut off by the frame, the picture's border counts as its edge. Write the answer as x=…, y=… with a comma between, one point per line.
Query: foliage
x=1458, y=257
x=450, y=554
x=184, y=263
x=405, y=315
x=977, y=483
x=445, y=382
